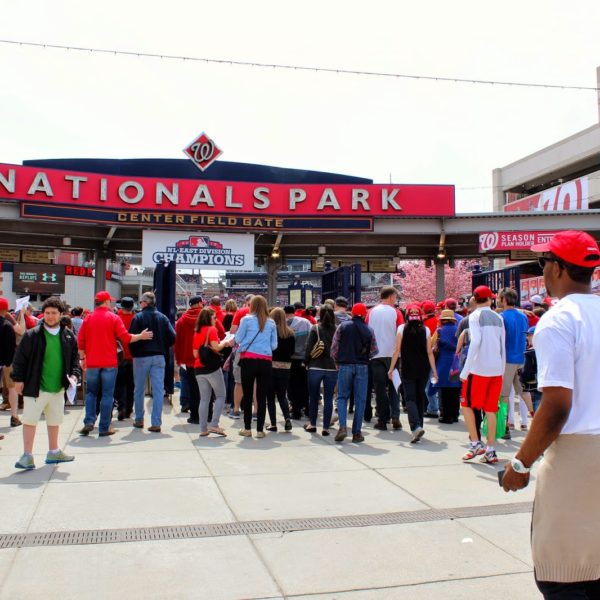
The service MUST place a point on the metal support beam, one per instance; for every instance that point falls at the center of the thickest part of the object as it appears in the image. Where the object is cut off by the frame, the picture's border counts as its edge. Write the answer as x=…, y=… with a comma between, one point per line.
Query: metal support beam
x=100, y=280
x=273, y=266
x=440, y=282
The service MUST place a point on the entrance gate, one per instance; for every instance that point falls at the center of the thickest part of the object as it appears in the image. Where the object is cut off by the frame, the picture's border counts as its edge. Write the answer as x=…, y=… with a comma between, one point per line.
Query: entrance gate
x=344, y=281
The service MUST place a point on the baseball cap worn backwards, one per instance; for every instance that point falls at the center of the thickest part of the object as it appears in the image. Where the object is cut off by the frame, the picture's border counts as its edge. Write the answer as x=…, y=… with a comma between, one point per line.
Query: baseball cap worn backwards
x=574, y=247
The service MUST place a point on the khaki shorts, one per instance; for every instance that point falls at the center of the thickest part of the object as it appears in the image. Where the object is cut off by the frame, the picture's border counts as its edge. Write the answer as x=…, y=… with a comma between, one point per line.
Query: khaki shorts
x=7, y=381
x=52, y=405
x=511, y=379
x=237, y=370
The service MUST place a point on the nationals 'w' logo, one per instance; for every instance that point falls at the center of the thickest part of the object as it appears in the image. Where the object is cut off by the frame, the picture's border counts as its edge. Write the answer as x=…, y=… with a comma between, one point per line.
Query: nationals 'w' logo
x=203, y=151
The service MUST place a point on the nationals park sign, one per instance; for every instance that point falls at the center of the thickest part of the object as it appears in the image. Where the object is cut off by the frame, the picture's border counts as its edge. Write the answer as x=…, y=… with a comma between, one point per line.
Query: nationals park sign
x=53, y=194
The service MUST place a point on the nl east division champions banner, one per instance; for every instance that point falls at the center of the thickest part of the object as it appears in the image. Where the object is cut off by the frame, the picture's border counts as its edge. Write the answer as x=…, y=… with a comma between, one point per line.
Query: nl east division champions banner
x=53, y=194
x=222, y=251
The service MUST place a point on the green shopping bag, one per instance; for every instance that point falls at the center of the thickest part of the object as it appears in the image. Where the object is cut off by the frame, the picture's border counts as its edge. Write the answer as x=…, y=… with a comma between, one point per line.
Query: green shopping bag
x=500, y=420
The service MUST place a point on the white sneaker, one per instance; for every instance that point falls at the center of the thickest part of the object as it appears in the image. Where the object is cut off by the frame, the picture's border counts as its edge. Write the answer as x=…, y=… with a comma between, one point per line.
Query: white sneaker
x=417, y=435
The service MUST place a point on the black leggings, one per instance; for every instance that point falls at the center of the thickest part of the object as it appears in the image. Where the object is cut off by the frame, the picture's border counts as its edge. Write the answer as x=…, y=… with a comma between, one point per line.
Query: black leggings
x=278, y=388
x=255, y=370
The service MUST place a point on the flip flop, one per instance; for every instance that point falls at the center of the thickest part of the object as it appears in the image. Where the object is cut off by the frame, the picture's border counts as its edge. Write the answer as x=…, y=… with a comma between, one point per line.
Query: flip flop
x=218, y=431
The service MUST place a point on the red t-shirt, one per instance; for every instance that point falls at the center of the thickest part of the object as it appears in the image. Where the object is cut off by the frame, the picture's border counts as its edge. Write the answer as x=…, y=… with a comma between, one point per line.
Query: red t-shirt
x=200, y=340
x=240, y=313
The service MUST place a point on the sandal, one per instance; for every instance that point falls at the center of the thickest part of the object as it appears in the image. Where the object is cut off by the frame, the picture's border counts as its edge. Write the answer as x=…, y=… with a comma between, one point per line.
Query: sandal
x=271, y=428
x=203, y=433
x=217, y=431
x=310, y=428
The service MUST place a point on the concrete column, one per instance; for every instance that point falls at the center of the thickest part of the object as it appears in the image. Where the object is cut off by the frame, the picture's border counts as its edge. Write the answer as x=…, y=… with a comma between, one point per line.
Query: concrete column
x=440, y=283
x=273, y=266
x=497, y=192
x=598, y=86
x=100, y=281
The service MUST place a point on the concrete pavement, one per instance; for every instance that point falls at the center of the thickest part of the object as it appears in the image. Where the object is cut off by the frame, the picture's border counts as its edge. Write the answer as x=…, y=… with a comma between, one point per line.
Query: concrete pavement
x=136, y=480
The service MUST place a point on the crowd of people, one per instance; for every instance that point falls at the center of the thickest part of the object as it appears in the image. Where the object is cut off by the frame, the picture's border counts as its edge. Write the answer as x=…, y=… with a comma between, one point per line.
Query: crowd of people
x=430, y=359
x=247, y=362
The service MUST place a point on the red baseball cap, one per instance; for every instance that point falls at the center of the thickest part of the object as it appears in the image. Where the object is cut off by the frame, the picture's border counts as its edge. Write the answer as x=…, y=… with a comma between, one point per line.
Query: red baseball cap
x=359, y=310
x=574, y=247
x=3, y=303
x=103, y=297
x=428, y=307
x=451, y=303
x=482, y=292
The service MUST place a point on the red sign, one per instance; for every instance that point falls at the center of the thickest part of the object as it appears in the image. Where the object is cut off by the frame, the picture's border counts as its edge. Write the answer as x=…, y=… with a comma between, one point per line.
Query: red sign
x=115, y=193
x=84, y=272
x=203, y=152
x=572, y=195
x=505, y=241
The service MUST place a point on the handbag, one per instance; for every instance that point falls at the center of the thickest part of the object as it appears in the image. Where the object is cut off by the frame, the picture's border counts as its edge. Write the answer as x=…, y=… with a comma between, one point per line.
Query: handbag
x=319, y=346
x=208, y=357
x=228, y=364
x=501, y=416
x=455, y=368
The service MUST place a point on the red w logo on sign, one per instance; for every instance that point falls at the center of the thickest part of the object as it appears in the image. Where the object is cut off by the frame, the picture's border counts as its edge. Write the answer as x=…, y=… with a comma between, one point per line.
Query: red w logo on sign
x=203, y=151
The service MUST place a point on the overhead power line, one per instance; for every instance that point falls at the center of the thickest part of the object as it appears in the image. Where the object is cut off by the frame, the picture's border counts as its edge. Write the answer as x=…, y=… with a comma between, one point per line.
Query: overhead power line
x=243, y=63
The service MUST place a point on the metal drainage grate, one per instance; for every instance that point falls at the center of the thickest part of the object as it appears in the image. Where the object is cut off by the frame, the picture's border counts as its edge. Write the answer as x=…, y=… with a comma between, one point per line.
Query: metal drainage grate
x=181, y=532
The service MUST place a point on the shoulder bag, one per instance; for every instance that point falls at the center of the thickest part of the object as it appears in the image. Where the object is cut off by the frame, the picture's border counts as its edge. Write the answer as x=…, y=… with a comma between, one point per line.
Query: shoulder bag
x=319, y=346
x=208, y=357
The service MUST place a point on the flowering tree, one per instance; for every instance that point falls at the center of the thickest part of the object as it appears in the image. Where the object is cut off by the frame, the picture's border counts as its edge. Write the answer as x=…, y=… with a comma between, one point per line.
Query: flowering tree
x=416, y=282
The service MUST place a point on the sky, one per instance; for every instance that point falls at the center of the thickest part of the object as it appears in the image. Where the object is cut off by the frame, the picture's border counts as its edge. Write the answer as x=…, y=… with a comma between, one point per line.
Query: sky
x=61, y=104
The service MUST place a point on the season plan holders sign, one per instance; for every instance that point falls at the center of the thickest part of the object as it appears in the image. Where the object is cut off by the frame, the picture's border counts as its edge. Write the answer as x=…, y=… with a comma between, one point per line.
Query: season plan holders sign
x=223, y=251
x=507, y=241
x=52, y=194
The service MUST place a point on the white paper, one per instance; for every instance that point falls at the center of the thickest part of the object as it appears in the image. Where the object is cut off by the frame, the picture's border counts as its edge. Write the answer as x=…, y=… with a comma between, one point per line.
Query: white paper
x=228, y=336
x=72, y=390
x=396, y=379
x=21, y=303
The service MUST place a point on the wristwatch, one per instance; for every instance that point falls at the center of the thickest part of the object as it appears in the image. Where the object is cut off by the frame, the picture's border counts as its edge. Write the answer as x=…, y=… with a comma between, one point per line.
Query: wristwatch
x=518, y=466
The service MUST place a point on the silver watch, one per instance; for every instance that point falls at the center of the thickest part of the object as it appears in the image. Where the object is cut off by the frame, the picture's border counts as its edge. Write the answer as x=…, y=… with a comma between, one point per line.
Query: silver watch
x=518, y=466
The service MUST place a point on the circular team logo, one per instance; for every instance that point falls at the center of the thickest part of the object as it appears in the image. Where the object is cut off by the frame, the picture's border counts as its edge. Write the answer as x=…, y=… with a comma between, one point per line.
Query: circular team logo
x=488, y=241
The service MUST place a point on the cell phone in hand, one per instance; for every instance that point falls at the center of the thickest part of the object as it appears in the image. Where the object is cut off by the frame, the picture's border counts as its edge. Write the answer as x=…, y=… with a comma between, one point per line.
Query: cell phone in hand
x=500, y=476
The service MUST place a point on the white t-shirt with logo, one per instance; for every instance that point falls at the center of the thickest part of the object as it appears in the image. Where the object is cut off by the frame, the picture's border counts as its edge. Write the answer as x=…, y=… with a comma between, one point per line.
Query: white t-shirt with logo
x=383, y=320
x=567, y=349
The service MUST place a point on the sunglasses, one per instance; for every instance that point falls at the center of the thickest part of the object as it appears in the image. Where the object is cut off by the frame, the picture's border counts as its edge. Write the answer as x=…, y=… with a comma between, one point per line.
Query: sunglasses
x=542, y=260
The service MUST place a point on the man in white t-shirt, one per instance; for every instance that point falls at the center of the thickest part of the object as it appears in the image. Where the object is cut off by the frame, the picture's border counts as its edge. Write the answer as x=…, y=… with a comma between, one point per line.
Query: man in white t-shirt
x=482, y=373
x=566, y=428
x=384, y=319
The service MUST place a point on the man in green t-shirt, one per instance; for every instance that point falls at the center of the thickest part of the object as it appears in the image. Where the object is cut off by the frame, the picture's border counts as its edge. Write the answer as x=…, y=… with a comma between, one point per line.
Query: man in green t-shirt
x=45, y=365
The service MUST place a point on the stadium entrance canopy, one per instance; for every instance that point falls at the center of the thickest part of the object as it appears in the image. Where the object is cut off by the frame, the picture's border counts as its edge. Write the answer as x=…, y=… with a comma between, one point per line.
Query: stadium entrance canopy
x=104, y=206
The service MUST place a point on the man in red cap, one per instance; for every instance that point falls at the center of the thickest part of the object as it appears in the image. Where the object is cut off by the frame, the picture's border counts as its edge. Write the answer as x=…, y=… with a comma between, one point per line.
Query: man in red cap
x=98, y=346
x=566, y=428
x=482, y=373
x=352, y=347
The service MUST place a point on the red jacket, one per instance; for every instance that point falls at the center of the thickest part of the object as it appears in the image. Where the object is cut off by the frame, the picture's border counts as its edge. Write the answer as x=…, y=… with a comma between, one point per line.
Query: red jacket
x=126, y=318
x=184, y=337
x=98, y=338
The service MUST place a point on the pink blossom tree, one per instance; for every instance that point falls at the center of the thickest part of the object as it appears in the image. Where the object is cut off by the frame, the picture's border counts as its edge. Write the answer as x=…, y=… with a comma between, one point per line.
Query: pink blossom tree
x=418, y=282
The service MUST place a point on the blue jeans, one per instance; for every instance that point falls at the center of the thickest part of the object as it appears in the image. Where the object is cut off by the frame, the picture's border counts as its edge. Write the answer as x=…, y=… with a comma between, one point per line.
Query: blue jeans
x=96, y=379
x=433, y=403
x=352, y=378
x=329, y=379
x=153, y=366
x=536, y=399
